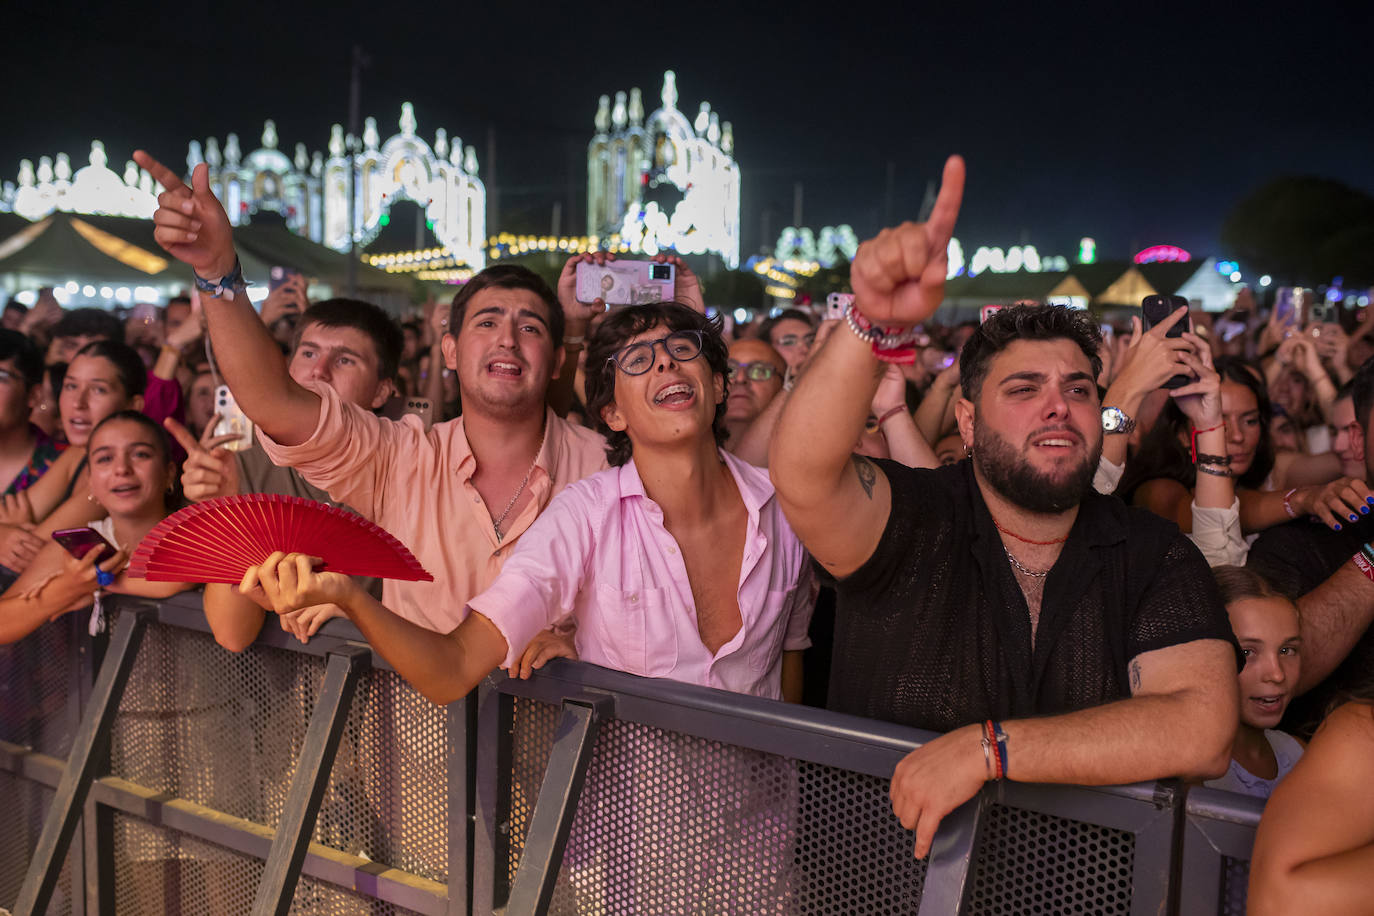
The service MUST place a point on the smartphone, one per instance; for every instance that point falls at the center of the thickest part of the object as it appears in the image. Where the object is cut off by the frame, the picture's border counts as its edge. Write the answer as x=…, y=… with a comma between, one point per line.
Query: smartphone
x=279, y=276
x=835, y=306
x=398, y=407
x=1288, y=305
x=1322, y=312
x=625, y=282
x=1155, y=309
x=987, y=312
x=232, y=420
x=80, y=541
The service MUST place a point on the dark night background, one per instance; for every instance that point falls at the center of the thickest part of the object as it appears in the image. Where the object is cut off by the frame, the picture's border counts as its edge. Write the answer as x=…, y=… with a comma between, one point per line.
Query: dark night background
x=1134, y=123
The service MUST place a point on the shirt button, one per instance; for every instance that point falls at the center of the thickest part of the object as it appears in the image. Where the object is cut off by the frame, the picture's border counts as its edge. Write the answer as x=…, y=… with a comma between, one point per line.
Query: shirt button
x=672, y=550
x=634, y=598
x=477, y=499
x=497, y=553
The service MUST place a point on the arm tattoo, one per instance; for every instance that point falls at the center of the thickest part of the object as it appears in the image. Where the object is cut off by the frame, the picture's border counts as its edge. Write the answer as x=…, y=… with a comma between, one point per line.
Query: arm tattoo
x=1135, y=675
x=868, y=474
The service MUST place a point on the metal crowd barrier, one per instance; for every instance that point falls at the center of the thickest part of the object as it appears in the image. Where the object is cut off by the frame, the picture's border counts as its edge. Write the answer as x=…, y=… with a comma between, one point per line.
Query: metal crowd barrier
x=173, y=776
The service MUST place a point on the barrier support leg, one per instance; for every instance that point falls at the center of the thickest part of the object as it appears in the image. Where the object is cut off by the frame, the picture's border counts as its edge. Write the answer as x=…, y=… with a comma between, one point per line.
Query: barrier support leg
x=308, y=784
x=92, y=736
x=553, y=812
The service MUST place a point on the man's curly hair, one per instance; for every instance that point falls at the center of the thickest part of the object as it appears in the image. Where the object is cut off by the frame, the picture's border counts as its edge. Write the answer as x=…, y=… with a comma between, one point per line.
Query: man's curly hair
x=1025, y=322
x=616, y=331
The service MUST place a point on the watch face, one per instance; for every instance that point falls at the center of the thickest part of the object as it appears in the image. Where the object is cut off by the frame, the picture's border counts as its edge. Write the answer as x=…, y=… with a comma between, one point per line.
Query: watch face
x=1111, y=419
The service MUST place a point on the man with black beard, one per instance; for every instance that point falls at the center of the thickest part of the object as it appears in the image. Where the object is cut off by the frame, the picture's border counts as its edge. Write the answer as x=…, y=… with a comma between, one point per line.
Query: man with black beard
x=1055, y=634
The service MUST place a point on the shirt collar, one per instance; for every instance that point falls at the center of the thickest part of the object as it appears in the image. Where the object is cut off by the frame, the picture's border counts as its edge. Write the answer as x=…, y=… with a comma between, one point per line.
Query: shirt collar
x=755, y=487
x=550, y=453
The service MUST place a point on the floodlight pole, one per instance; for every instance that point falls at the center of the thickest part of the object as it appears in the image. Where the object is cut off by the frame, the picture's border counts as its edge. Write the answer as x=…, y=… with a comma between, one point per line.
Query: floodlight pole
x=354, y=133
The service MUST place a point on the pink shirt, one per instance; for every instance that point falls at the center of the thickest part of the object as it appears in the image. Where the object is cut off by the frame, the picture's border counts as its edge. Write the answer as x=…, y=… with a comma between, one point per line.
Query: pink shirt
x=600, y=552
x=417, y=484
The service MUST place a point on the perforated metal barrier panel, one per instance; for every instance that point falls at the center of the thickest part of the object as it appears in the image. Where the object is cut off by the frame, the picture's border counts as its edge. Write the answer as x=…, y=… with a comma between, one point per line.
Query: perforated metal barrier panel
x=224, y=730
x=1235, y=881
x=668, y=823
x=39, y=709
x=1028, y=863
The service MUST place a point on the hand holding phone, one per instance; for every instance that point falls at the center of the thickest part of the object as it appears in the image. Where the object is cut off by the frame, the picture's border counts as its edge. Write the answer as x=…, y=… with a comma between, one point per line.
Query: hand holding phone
x=1158, y=309
x=80, y=541
x=233, y=421
x=625, y=282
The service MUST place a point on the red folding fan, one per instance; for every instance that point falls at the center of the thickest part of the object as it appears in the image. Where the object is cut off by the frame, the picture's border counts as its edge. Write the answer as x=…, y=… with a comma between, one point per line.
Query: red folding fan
x=219, y=539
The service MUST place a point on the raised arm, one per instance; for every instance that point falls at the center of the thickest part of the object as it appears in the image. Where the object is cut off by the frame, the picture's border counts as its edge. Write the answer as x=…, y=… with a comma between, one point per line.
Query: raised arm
x=54, y=584
x=1334, y=616
x=193, y=228
x=840, y=506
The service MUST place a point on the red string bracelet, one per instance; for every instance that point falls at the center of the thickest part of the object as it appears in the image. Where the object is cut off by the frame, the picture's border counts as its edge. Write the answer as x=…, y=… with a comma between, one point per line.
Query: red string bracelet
x=891, y=413
x=1197, y=432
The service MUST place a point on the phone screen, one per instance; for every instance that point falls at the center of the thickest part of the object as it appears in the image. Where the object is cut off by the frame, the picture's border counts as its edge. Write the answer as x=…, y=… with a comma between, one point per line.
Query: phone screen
x=80, y=541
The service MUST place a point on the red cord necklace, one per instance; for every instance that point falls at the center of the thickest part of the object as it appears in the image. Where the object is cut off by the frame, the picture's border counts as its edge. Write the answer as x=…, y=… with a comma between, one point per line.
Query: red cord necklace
x=1028, y=540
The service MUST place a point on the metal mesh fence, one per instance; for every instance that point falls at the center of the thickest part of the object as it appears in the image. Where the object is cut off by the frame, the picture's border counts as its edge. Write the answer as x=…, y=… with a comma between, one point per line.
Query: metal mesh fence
x=225, y=730
x=25, y=805
x=1235, y=880
x=37, y=675
x=158, y=870
x=668, y=823
x=1029, y=863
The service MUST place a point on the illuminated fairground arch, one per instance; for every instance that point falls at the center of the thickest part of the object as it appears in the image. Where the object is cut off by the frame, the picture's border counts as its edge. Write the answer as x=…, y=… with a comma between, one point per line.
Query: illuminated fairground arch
x=309, y=191
x=663, y=182
x=312, y=193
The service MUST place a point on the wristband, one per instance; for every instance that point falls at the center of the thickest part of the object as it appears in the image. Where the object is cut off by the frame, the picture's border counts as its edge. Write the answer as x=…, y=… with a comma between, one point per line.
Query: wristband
x=1215, y=472
x=1363, y=563
x=104, y=579
x=1001, y=738
x=571, y=342
x=890, y=414
x=227, y=286
x=1288, y=506
x=1204, y=458
x=890, y=344
x=1197, y=432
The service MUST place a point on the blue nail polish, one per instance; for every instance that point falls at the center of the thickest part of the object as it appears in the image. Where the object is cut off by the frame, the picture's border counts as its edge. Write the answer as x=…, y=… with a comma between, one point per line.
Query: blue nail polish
x=1370, y=500
x=1364, y=510
x=1335, y=526
x=1354, y=518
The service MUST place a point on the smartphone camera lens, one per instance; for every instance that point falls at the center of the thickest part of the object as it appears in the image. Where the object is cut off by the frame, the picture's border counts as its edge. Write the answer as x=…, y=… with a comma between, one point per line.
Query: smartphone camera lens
x=661, y=272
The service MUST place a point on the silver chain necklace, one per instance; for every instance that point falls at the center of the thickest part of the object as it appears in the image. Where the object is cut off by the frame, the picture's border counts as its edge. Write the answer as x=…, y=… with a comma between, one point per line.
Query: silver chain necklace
x=1017, y=563
x=496, y=525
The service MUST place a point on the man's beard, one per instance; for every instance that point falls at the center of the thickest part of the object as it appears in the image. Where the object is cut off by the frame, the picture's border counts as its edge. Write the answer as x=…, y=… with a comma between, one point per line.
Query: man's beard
x=1012, y=476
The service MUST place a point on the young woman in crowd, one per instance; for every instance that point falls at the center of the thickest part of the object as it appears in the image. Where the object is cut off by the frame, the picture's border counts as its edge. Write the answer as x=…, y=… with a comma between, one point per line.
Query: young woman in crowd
x=104, y=377
x=1271, y=489
x=26, y=451
x=131, y=479
x=1266, y=626
x=1314, y=850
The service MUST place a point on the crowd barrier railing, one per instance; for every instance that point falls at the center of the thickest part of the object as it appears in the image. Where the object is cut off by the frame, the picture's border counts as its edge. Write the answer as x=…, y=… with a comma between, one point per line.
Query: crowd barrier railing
x=153, y=771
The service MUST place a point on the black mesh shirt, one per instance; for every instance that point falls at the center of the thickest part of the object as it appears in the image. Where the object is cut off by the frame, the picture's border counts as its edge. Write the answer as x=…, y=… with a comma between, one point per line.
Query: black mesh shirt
x=933, y=631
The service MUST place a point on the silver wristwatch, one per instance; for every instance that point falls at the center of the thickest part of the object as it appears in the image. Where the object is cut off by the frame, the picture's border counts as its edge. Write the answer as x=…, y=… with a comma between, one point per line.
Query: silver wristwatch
x=1114, y=420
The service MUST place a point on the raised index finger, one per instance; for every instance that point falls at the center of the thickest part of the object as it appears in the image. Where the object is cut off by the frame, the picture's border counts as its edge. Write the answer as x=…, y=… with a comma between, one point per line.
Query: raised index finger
x=946, y=211
x=161, y=174
x=182, y=435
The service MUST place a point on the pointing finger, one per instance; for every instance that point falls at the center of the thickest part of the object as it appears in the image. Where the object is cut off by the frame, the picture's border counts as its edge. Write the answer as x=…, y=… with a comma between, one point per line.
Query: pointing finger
x=161, y=174
x=182, y=435
x=946, y=211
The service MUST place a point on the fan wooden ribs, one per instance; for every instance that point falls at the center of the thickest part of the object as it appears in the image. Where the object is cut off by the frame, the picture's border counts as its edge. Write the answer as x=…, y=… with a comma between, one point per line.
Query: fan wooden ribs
x=219, y=539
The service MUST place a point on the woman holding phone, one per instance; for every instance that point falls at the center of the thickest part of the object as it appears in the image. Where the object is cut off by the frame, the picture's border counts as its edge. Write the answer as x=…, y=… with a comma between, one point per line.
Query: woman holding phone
x=131, y=478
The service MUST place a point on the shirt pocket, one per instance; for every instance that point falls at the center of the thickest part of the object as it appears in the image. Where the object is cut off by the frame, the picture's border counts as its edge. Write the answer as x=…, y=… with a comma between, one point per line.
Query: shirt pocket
x=638, y=629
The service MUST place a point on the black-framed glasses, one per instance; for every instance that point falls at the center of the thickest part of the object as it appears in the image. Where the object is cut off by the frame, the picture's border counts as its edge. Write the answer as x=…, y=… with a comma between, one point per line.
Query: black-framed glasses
x=791, y=340
x=754, y=372
x=638, y=358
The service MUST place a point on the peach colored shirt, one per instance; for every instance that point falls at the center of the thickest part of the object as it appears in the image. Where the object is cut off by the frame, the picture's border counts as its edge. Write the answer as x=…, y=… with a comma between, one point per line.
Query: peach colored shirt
x=417, y=484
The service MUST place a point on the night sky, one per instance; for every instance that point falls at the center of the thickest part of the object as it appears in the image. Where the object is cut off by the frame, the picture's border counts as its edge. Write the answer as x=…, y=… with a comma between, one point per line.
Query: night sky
x=1134, y=123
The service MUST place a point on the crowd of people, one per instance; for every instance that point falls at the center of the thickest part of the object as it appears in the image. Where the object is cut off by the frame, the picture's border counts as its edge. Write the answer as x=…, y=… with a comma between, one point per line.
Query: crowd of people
x=1084, y=554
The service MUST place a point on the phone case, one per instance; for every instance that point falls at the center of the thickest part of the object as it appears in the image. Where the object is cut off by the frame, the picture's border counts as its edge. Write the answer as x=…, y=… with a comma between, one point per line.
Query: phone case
x=232, y=420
